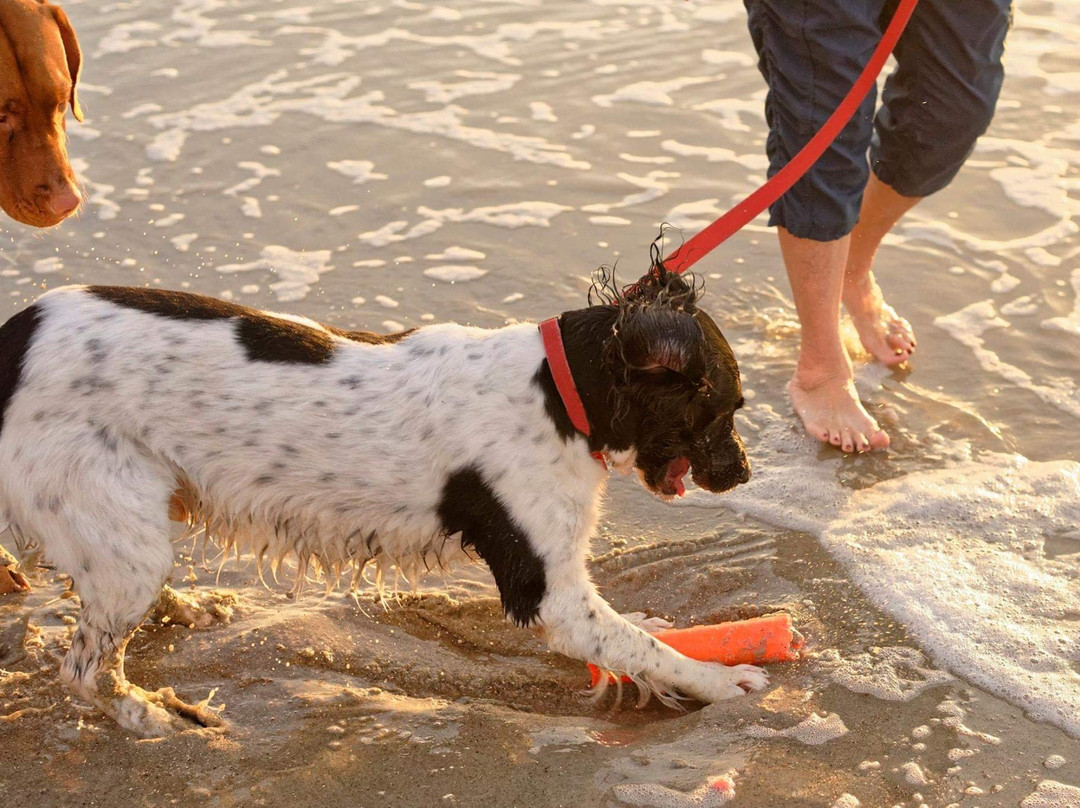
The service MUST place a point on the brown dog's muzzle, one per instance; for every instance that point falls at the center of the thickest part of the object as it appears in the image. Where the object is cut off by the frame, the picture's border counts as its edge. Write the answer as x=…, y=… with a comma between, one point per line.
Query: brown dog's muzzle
x=40, y=190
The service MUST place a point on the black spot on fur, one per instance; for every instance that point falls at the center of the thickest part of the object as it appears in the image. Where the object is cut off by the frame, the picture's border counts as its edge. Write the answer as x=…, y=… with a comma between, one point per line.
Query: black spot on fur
x=267, y=339
x=15, y=337
x=469, y=506
x=263, y=337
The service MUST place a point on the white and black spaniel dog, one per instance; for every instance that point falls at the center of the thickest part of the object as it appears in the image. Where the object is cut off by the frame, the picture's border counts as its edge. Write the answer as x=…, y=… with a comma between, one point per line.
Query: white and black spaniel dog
x=285, y=437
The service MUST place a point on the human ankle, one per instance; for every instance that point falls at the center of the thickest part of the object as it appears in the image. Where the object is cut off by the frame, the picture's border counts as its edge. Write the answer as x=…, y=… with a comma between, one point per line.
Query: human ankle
x=860, y=291
x=812, y=374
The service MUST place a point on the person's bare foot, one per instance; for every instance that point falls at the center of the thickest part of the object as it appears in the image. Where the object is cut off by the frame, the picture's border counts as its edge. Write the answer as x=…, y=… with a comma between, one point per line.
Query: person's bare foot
x=831, y=412
x=886, y=335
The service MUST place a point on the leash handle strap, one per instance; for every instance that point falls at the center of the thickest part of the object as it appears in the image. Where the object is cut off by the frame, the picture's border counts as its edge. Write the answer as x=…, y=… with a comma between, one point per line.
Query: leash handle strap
x=735, y=219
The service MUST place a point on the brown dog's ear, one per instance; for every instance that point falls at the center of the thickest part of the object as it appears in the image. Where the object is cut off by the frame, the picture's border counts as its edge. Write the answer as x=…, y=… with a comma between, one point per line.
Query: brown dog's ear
x=74, y=56
x=660, y=337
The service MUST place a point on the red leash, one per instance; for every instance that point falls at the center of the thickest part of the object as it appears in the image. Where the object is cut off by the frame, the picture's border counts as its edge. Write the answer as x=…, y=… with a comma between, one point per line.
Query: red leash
x=735, y=219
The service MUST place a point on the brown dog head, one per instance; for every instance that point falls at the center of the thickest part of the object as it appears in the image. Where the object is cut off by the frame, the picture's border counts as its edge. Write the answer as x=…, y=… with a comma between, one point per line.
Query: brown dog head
x=39, y=68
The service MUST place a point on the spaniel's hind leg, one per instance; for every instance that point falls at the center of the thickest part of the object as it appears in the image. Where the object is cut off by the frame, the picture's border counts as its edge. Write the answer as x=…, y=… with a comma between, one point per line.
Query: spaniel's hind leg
x=112, y=536
x=116, y=592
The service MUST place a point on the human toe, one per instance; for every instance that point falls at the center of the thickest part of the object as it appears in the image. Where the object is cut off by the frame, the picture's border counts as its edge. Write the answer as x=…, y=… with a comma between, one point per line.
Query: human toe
x=879, y=439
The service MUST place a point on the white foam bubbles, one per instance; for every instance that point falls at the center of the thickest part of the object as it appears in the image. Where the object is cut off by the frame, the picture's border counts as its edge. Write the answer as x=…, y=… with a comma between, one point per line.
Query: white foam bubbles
x=166, y=146
x=251, y=208
x=359, y=171
x=653, y=187
x=297, y=270
x=655, y=93
x=1020, y=307
x=813, y=731
x=259, y=173
x=48, y=266
x=1052, y=794
x=97, y=193
x=1070, y=323
x=652, y=795
x=456, y=253
x=455, y=273
x=717, y=154
x=182, y=243
x=913, y=774
x=542, y=111
x=476, y=83
x=169, y=221
x=892, y=673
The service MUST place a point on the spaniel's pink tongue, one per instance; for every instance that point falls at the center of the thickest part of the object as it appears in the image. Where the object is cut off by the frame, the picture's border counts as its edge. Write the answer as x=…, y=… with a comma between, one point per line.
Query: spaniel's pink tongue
x=676, y=470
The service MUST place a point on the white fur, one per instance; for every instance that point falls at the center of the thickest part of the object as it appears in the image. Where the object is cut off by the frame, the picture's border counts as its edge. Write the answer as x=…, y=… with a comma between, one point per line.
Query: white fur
x=336, y=464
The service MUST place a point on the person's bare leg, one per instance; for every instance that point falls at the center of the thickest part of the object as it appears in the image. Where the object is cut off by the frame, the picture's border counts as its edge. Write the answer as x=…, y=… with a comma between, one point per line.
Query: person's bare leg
x=884, y=333
x=823, y=388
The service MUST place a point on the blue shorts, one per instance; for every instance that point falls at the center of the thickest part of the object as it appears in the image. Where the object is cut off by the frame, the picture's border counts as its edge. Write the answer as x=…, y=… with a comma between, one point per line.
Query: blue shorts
x=934, y=106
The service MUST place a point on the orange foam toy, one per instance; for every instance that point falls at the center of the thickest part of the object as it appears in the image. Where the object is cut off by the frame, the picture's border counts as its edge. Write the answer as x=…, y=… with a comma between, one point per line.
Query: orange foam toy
x=761, y=639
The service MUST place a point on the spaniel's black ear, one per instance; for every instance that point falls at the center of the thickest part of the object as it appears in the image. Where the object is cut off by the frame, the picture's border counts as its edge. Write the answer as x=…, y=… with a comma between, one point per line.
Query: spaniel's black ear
x=662, y=337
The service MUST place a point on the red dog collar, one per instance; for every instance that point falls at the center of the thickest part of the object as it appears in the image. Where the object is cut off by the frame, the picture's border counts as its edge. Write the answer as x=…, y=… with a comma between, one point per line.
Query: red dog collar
x=564, y=380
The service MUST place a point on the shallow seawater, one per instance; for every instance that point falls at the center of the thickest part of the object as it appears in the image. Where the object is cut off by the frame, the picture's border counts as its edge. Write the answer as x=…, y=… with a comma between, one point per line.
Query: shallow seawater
x=382, y=165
